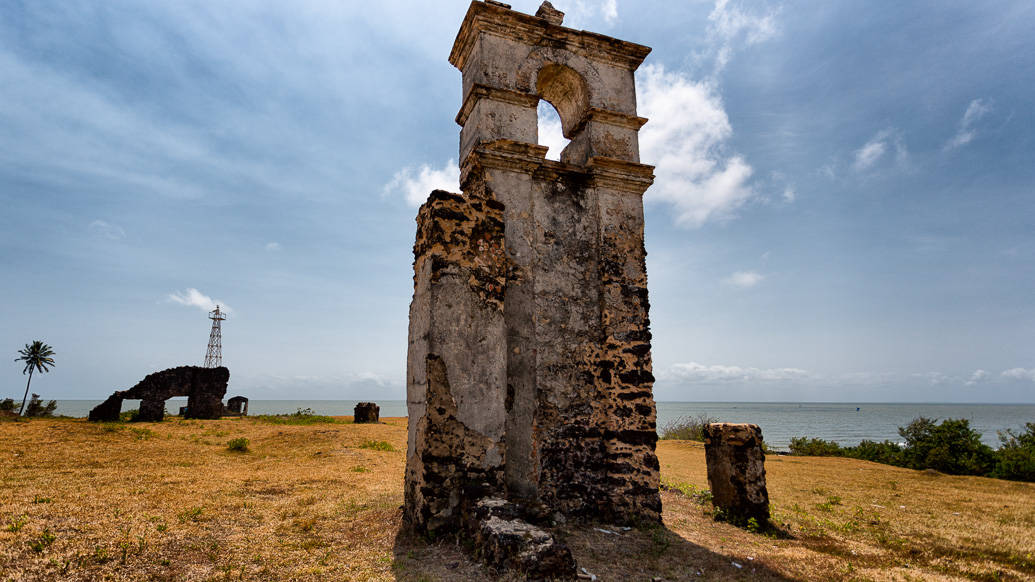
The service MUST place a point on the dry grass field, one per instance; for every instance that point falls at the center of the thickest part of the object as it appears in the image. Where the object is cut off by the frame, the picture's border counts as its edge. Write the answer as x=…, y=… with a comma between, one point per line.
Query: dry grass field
x=170, y=501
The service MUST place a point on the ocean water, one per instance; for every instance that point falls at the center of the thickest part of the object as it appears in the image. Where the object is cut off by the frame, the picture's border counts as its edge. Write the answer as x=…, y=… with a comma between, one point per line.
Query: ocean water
x=844, y=423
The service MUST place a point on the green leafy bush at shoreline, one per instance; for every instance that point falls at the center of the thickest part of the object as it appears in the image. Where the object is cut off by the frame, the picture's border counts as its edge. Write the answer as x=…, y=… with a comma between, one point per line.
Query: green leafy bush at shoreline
x=37, y=409
x=1015, y=458
x=949, y=447
x=302, y=416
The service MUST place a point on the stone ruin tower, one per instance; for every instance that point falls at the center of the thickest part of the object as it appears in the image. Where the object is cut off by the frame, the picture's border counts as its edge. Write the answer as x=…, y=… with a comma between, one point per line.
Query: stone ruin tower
x=529, y=365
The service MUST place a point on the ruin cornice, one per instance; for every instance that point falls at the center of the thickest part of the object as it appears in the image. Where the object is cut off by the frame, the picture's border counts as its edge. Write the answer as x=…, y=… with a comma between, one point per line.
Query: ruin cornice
x=483, y=17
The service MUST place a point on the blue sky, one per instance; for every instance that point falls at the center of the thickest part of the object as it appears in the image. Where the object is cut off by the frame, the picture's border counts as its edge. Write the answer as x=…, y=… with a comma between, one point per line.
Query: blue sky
x=844, y=206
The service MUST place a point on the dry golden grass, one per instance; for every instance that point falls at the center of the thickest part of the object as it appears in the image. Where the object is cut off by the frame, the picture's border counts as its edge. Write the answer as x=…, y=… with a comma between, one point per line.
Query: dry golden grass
x=169, y=501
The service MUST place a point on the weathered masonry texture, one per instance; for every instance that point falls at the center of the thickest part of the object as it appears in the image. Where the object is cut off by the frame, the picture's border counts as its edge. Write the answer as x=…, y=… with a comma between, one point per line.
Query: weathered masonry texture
x=203, y=387
x=736, y=470
x=529, y=368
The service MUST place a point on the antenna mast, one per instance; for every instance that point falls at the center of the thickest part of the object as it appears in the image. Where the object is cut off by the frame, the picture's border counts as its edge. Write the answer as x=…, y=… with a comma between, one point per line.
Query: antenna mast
x=214, y=355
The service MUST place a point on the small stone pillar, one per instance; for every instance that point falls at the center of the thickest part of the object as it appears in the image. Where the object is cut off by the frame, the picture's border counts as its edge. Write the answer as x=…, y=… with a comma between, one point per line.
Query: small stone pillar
x=366, y=412
x=736, y=470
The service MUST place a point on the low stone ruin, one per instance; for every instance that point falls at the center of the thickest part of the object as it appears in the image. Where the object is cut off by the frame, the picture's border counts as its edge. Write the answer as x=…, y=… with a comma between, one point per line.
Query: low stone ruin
x=203, y=387
x=736, y=471
x=236, y=406
x=529, y=366
x=366, y=413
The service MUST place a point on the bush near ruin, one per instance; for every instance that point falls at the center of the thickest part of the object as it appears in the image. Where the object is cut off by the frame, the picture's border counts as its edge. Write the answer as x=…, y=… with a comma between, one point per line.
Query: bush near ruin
x=948, y=447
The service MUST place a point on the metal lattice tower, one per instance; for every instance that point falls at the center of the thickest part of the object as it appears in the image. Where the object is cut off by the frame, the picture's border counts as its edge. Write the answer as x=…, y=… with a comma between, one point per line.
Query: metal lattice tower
x=214, y=355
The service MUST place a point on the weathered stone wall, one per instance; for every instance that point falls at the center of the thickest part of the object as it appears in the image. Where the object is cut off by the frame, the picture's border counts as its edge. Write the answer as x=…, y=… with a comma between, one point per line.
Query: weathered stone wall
x=203, y=387
x=736, y=470
x=456, y=365
x=366, y=412
x=529, y=368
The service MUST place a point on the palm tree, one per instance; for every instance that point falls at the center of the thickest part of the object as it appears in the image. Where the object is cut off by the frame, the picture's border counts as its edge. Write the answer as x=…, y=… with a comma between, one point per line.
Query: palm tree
x=38, y=356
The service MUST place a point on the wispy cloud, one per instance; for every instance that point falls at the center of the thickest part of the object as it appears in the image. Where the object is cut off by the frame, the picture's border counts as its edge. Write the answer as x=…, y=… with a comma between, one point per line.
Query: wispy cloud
x=694, y=372
x=884, y=142
x=194, y=298
x=414, y=184
x=789, y=194
x=966, y=132
x=731, y=25
x=977, y=377
x=581, y=13
x=1020, y=374
x=273, y=246
x=744, y=279
x=107, y=230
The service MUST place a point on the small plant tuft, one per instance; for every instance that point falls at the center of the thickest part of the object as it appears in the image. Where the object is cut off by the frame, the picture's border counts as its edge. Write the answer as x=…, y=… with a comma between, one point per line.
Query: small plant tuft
x=17, y=523
x=377, y=446
x=239, y=445
x=44, y=541
x=192, y=514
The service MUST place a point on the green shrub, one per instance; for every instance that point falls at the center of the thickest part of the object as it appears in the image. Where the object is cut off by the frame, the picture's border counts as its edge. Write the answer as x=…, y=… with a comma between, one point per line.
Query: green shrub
x=130, y=415
x=686, y=428
x=1015, y=459
x=303, y=416
x=886, y=452
x=950, y=447
x=807, y=447
x=239, y=445
x=7, y=405
x=36, y=407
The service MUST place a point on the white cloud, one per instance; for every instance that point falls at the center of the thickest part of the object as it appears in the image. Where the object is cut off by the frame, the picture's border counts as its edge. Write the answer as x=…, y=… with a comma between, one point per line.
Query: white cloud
x=744, y=279
x=581, y=13
x=977, y=377
x=966, y=132
x=1020, y=374
x=789, y=194
x=686, y=140
x=273, y=246
x=873, y=151
x=730, y=24
x=415, y=188
x=107, y=230
x=194, y=298
x=693, y=372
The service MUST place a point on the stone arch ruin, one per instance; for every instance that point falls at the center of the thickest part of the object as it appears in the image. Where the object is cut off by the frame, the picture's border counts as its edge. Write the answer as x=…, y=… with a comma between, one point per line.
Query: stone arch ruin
x=529, y=364
x=203, y=387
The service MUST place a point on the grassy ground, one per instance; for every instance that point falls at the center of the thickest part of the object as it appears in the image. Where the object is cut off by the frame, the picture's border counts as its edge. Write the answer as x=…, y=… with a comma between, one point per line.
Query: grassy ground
x=170, y=501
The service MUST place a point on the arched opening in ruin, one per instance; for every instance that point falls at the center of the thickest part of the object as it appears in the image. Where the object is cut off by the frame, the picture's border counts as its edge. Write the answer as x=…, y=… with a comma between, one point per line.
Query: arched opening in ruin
x=564, y=102
x=550, y=133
